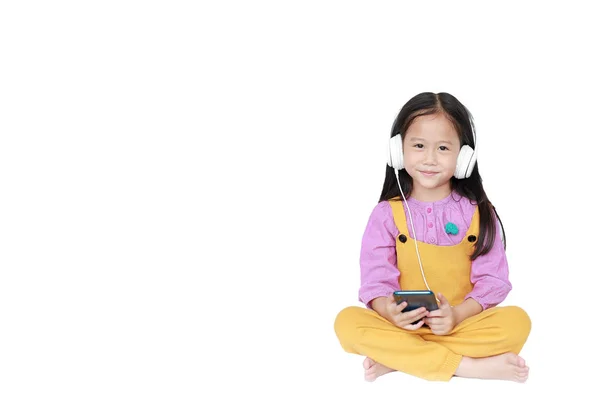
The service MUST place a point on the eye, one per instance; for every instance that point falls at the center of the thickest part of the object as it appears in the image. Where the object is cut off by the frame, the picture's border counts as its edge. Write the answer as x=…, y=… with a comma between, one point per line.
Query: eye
x=443, y=148
x=419, y=145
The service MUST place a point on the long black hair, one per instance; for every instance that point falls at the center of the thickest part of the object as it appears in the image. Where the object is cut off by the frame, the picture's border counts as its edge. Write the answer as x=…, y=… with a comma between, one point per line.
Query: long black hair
x=443, y=103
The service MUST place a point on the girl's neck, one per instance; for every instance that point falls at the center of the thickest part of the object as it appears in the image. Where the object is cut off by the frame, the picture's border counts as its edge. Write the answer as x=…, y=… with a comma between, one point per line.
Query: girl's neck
x=426, y=195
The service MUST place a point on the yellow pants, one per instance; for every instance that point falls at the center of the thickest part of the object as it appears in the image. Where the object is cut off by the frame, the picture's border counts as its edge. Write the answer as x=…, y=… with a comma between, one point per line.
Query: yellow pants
x=420, y=353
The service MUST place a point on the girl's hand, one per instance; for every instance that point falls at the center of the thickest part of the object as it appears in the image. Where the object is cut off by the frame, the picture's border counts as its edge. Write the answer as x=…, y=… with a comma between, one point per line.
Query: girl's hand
x=442, y=320
x=401, y=319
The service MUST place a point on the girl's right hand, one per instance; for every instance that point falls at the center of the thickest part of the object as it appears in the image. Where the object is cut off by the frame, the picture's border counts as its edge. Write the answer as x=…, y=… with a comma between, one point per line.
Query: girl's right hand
x=404, y=320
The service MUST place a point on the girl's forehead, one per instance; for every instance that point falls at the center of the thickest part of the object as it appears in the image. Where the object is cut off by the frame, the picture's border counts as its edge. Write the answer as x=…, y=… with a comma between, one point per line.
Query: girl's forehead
x=432, y=127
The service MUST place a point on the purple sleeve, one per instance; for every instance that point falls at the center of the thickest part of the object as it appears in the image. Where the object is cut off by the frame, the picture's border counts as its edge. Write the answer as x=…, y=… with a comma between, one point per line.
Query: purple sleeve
x=489, y=275
x=378, y=271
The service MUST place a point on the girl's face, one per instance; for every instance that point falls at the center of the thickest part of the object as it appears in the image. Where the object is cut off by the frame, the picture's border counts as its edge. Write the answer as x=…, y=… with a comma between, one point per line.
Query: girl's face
x=431, y=146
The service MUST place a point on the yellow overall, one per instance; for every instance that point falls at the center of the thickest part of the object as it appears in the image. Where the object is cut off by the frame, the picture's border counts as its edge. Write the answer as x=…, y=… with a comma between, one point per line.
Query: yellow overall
x=421, y=353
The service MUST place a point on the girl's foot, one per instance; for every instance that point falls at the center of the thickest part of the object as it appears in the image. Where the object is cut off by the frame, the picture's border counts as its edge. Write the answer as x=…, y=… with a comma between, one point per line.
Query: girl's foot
x=374, y=370
x=507, y=366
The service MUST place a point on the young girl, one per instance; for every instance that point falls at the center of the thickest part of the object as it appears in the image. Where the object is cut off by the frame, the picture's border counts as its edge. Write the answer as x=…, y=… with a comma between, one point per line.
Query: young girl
x=435, y=229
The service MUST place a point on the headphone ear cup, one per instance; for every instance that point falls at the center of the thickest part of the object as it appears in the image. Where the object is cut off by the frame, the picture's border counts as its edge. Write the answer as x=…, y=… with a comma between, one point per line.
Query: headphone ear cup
x=396, y=160
x=471, y=166
x=465, y=162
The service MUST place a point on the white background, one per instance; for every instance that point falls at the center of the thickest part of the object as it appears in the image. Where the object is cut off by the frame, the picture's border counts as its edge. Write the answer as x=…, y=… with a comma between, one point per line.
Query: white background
x=184, y=187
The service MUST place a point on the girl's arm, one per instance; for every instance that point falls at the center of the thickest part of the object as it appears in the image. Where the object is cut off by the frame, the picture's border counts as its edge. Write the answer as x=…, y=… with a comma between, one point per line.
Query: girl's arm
x=489, y=274
x=378, y=272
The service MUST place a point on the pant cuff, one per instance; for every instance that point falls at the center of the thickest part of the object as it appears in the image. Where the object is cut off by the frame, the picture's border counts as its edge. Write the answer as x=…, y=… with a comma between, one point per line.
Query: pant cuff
x=449, y=367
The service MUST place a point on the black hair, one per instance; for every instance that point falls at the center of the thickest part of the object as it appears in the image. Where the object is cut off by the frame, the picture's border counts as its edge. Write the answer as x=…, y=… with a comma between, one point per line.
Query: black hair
x=443, y=103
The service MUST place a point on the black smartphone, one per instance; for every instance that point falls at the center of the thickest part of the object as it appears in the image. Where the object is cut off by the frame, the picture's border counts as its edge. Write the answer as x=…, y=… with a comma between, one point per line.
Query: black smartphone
x=416, y=299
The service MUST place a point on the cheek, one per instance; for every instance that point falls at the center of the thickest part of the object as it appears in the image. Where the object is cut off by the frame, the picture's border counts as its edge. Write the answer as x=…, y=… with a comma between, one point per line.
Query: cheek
x=447, y=164
x=409, y=158
x=450, y=166
x=451, y=159
x=452, y=162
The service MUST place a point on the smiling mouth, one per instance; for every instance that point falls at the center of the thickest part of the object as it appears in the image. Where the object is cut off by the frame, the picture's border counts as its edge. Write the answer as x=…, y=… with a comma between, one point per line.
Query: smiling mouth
x=428, y=173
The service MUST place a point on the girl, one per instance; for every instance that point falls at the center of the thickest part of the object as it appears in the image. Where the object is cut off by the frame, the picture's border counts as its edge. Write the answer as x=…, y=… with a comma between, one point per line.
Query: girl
x=452, y=246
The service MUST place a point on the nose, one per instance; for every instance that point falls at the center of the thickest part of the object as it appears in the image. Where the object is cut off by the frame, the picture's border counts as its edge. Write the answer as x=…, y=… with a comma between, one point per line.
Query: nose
x=430, y=157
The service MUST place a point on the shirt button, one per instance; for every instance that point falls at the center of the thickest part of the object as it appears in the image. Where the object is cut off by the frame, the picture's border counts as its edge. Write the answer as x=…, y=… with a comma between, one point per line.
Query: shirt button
x=428, y=210
x=431, y=240
x=430, y=224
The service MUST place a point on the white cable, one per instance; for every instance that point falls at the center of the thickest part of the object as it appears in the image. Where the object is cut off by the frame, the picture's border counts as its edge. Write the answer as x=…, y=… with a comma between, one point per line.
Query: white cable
x=414, y=232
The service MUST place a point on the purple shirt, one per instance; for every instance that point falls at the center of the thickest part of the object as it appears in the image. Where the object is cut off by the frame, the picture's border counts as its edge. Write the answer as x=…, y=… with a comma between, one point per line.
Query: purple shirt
x=379, y=273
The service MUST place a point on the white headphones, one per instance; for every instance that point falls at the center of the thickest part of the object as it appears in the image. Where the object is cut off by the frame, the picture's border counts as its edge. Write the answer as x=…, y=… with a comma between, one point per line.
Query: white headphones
x=464, y=163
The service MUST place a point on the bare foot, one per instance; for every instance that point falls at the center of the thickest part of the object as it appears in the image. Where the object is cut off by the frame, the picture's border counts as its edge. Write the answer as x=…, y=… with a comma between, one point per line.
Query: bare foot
x=507, y=366
x=374, y=370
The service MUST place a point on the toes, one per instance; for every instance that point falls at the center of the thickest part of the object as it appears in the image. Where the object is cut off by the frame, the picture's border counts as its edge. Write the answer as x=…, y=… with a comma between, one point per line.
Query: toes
x=370, y=375
x=522, y=376
x=368, y=363
x=516, y=360
x=522, y=370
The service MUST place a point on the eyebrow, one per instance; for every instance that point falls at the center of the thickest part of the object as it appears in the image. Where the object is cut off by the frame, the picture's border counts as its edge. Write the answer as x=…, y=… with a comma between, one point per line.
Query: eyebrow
x=415, y=139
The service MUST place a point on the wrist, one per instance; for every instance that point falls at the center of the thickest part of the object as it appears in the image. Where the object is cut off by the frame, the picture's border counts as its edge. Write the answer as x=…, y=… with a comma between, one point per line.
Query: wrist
x=378, y=304
x=466, y=309
x=456, y=317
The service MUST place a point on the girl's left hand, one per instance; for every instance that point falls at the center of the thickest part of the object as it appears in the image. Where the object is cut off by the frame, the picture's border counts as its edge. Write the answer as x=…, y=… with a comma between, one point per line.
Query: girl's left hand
x=443, y=320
